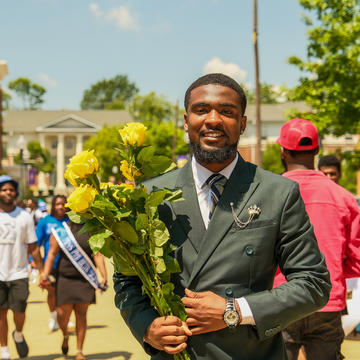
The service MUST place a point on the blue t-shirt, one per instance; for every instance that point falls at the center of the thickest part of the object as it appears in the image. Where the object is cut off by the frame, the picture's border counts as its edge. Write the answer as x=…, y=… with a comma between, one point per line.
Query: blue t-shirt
x=43, y=232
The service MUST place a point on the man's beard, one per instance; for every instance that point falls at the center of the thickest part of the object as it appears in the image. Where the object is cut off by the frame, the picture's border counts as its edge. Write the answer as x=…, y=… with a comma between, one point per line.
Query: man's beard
x=216, y=156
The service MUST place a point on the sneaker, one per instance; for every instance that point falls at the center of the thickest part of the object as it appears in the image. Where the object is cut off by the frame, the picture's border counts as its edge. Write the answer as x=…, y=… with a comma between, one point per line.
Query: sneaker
x=5, y=354
x=53, y=324
x=21, y=347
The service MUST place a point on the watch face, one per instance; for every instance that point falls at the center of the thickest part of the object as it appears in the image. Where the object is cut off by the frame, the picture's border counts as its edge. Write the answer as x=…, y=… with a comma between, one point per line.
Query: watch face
x=231, y=317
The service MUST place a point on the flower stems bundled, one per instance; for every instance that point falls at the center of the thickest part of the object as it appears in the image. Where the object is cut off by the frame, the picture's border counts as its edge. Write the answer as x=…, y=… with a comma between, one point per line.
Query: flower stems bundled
x=123, y=220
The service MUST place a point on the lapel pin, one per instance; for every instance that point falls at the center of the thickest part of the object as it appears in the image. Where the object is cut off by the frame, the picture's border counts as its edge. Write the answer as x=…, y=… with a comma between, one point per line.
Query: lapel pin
x=253, y=211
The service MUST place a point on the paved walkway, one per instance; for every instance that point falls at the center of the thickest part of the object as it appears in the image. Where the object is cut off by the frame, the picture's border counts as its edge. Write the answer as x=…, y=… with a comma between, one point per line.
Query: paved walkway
x=107, y=336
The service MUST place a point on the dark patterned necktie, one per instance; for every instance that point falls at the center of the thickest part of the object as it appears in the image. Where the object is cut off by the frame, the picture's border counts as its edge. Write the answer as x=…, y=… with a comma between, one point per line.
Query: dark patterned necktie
x=216, y=183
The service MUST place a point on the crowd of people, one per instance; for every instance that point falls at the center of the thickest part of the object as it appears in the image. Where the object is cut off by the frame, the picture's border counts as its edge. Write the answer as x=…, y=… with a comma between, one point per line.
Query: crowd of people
x=27, y=243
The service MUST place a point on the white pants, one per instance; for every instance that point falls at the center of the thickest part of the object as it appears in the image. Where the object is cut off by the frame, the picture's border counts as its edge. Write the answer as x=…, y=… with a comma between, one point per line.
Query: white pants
x=351, y=320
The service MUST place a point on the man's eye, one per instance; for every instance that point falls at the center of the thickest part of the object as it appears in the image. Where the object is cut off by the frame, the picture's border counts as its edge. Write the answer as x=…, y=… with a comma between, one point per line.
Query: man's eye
x=227, y=112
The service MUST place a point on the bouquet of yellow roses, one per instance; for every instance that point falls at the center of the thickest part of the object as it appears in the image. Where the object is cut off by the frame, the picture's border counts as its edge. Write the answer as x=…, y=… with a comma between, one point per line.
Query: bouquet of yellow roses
x=123, y=220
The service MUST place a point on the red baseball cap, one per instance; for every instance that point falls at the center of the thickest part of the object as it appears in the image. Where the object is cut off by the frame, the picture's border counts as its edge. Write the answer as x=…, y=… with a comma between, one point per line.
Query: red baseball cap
x=294, y=131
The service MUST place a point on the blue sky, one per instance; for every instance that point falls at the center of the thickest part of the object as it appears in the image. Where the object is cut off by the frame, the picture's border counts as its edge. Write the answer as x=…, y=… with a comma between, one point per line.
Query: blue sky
x=162, y=45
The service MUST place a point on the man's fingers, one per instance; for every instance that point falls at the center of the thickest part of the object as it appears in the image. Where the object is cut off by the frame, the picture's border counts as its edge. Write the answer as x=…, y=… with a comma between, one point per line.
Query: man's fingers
x=191, y=294
x=187, y=330
x=173, y=340
x=175, y=349
x=192, y=322
x=172, y=320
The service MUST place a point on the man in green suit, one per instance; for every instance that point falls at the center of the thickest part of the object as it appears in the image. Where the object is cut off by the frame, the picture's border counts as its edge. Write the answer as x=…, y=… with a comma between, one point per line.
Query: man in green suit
x=237, y=224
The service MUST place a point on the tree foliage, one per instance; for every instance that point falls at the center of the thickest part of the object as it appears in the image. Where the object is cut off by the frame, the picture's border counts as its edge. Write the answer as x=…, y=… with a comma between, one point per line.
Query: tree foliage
x=151, y=109
x=40, y=157
x=30, y=93
x=105, y=143
x=269, y=94
x=330, y=81
x=113, y=93
x=6, y=97
x=271, y=159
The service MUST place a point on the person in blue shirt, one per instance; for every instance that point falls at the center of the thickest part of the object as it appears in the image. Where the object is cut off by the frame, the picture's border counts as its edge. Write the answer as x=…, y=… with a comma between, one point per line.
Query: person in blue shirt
x=43, y=231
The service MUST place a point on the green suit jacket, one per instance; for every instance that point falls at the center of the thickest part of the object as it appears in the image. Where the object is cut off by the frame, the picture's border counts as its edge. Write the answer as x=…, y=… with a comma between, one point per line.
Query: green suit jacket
x=227, y=258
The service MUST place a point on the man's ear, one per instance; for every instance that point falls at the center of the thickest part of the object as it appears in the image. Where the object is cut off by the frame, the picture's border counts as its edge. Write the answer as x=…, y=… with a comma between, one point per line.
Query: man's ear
x=186, y=122
x=243, y=124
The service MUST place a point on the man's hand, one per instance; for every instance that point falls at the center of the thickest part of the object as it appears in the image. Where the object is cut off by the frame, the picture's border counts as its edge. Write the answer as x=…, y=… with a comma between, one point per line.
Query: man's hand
x=205, y=311
x=167, y=333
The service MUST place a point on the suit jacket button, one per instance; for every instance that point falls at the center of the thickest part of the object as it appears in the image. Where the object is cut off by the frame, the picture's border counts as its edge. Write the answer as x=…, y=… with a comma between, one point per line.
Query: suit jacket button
x=229, y=291
x=268, y=332
x=249, y=250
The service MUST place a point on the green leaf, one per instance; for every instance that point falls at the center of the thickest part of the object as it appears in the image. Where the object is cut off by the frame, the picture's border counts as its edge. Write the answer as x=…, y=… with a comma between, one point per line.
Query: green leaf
x=126, y=232
x=138, y=249
x=159, y=233
x=103, y=205
x=74, y=217
x=146, y=155
x=91, y=227
x=142, y=222
x=123, y=154
x=158, y=251
x=156, y=198
x=168, y=288
x=97, y=241
x=122, y=213
x=122, y=266
x=160, y=163
x=172, y=264
x=106, y=249
x=160, y=266
x=174, y=195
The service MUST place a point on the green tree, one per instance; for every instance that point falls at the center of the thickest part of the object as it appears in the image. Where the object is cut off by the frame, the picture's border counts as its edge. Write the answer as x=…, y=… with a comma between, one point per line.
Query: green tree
x=113, y=93
x=30, y=93
x=330, y=81
x=105, y=143
x=271, y=159
x=161, y=137
x=151, y=109
x=269, y=94
x=6, y=97
x=39, y=158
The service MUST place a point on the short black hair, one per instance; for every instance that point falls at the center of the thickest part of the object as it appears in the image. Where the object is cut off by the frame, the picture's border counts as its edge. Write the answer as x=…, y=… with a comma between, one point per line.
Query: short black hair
x=218, y=79
x=330, y=160
x=53, y=201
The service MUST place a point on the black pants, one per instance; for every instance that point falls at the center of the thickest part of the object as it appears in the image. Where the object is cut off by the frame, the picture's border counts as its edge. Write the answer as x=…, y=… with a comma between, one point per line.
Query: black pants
x=321, y=334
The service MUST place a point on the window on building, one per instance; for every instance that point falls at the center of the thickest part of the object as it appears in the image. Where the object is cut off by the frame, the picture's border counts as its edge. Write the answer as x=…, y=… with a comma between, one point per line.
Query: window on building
x=54, y=144
x=69, y=144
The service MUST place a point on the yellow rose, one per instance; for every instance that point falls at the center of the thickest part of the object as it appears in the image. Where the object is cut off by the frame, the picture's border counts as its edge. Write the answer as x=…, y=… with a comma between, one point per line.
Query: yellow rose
x=81, y=198
x=82, y=164
x=71, y=177
x=128, y=171
x=133, y=134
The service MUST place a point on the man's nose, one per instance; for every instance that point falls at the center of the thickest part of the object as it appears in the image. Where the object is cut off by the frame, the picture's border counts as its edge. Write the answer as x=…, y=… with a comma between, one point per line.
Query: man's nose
x=213, y=117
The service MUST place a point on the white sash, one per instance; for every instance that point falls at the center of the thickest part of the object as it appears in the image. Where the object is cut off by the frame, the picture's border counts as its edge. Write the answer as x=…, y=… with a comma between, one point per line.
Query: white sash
x=75, y=253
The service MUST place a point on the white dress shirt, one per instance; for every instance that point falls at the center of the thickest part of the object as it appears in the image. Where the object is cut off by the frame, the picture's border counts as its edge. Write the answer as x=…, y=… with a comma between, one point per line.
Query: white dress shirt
x=201, y=174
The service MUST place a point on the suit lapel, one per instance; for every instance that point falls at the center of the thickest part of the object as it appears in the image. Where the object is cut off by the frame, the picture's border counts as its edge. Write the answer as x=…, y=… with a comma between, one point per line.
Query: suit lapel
x=238, y=190
x=192, y=225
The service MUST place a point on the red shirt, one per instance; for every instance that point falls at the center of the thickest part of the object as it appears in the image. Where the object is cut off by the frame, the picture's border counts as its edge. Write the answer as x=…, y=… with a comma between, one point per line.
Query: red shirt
x=335, y=215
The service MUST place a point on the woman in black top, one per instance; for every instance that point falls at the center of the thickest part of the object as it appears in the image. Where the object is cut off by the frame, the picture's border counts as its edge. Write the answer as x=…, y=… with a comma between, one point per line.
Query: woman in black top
x=73, y=291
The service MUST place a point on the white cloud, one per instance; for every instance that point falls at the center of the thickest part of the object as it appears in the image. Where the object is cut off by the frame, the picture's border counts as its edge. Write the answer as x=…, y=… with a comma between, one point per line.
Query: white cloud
x=120, y=15
x=94, y=8
x=123, y=18
x=47, y=80
x=216, y=65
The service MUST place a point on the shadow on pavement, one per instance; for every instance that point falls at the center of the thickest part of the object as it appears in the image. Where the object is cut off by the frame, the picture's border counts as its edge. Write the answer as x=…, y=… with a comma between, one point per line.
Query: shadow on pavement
x=96, y=326
x=118, y=355
x=111, y=355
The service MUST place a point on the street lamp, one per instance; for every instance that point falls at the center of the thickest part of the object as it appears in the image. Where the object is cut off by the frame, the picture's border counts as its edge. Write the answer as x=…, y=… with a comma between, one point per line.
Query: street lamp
x=21, y=145
x=3, y=73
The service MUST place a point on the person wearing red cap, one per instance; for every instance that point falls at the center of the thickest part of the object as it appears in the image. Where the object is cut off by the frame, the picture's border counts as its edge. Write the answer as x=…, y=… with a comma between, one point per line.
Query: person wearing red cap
x=334, y=213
